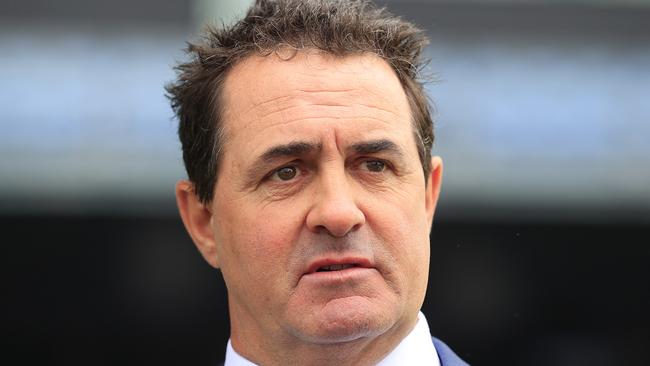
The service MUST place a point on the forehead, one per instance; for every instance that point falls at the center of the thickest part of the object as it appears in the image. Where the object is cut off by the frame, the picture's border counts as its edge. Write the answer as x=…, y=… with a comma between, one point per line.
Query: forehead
x=258, y=78
x=267, y=97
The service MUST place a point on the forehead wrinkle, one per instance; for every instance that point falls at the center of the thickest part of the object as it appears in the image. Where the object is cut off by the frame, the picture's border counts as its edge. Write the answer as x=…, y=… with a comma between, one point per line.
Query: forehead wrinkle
x=298, y=110
x=319, y=110
x=326, y=90
x=339, y=118
x=334, y=97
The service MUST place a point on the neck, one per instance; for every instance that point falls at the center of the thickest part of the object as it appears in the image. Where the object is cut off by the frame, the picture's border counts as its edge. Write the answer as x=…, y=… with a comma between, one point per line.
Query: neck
x=287, y=350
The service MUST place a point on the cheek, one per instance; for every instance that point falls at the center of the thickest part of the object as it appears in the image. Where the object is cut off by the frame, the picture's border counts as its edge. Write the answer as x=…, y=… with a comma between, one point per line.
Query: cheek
x=402, y=228
x=397, y=213
x=258, y=242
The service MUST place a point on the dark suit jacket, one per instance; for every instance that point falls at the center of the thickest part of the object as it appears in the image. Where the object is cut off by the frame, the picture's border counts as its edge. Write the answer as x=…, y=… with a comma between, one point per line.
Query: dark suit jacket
x=446, y=355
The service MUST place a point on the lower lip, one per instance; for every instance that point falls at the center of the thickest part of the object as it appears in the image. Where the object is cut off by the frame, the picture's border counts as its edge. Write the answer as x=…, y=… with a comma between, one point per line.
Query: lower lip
x=344, y=275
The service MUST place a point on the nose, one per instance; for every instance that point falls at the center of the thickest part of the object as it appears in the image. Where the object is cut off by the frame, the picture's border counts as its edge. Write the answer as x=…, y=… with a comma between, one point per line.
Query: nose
x=334, y=209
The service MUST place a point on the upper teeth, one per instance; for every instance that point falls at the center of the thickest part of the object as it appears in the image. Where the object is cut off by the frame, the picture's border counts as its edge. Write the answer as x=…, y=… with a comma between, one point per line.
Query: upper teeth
x=335, y=267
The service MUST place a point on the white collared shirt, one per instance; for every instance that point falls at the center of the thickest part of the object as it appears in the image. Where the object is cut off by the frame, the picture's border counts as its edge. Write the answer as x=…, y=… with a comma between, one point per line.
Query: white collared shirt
x=415, y=349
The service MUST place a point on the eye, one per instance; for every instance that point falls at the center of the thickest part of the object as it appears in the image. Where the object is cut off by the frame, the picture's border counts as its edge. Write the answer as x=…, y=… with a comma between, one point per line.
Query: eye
x=285, y=173
x=376, y=166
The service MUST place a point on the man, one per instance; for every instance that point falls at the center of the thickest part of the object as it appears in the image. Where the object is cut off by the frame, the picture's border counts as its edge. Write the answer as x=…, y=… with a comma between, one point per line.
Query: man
x=307, y=139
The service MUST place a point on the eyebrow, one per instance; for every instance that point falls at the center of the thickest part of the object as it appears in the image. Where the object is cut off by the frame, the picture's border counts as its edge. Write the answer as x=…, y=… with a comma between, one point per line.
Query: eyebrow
x=288, y=150
x=375, y=146
x=298, y=148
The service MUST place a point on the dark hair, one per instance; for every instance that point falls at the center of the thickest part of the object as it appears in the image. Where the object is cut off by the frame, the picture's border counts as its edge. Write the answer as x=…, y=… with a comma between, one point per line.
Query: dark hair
x=337, y=27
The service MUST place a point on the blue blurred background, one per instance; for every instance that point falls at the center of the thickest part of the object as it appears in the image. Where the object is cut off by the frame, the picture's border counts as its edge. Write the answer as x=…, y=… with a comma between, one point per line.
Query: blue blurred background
x=540, y=247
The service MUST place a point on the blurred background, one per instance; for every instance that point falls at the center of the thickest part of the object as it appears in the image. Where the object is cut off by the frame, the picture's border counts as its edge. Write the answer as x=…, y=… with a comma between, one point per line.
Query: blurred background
x=540, y=246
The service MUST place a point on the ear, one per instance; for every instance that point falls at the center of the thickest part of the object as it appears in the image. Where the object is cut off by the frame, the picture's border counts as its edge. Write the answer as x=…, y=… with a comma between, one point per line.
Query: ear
x=197, y=219
x=432, y=190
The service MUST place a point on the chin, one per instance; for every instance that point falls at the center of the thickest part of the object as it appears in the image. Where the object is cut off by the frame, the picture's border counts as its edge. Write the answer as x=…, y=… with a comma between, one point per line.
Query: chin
x=344, y=320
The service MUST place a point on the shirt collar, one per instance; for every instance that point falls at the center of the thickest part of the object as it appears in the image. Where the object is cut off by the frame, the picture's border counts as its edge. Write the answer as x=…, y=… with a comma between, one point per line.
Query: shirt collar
x=235, y=359
x=415, y=349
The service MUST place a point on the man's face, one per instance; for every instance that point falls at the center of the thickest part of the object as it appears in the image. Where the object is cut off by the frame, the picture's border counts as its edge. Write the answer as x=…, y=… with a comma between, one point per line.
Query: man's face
x=321, y=215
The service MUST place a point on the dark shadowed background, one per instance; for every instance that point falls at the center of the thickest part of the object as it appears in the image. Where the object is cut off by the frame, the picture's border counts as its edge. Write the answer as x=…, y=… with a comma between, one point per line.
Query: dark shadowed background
x=540, y=246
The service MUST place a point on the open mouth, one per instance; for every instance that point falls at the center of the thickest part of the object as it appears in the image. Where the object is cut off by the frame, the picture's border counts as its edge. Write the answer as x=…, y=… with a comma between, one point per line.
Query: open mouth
x=333, y=264
x=335, y=267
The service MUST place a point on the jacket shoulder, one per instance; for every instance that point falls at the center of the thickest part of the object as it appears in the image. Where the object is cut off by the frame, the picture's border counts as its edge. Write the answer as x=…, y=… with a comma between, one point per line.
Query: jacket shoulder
x=446, y=355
